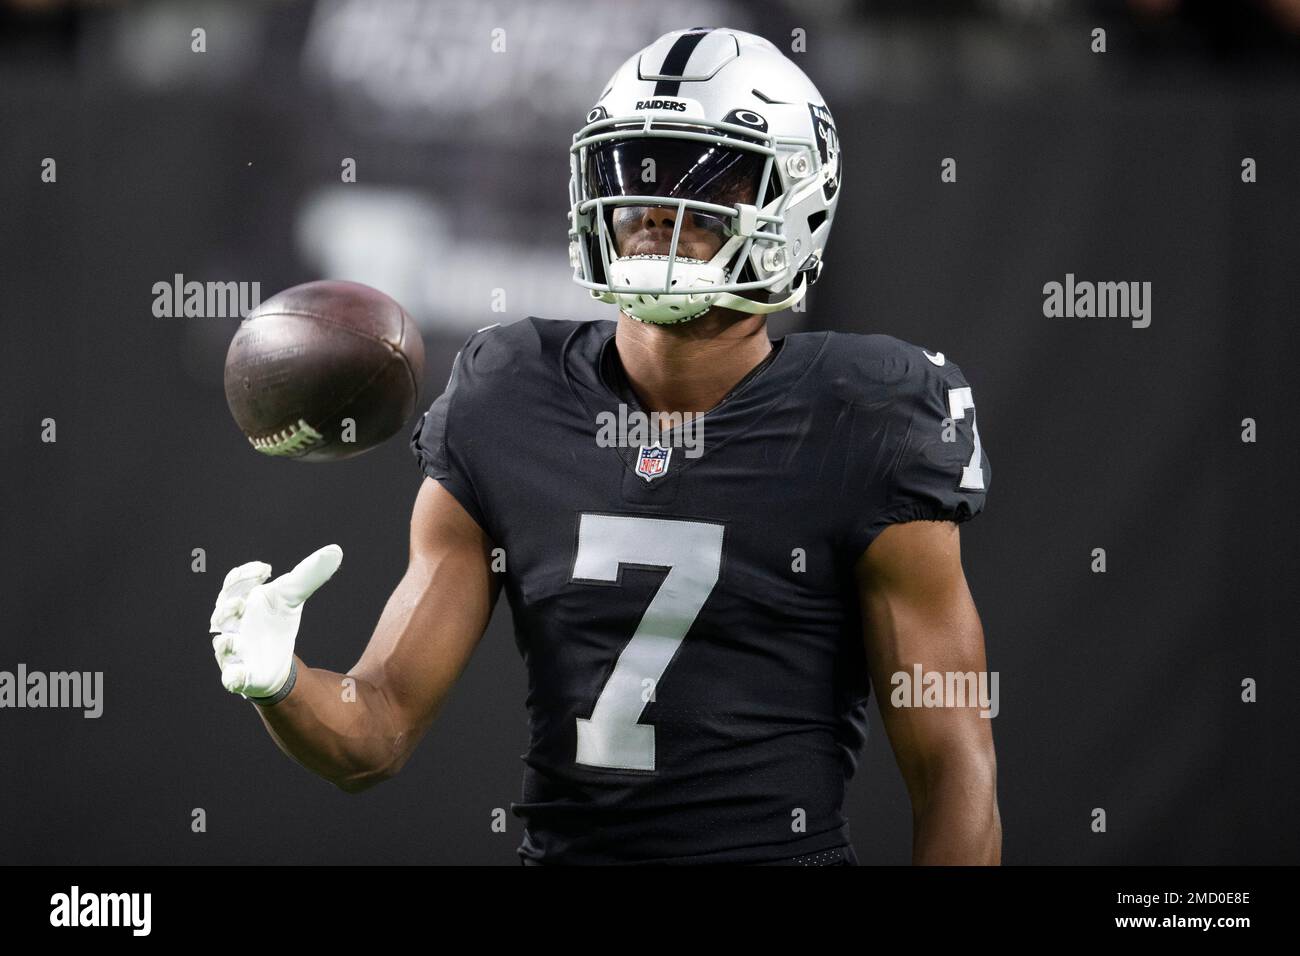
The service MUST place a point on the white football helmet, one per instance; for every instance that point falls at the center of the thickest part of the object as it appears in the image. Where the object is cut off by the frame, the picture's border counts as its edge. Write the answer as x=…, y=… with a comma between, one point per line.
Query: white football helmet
x=719, y=123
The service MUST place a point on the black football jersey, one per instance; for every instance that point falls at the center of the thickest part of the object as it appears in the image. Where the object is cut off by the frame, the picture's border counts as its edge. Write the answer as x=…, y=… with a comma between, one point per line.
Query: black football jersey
x=697, y=684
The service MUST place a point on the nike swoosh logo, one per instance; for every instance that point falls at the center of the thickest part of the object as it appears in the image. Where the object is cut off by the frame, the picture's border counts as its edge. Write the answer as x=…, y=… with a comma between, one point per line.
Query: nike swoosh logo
x=936, y=359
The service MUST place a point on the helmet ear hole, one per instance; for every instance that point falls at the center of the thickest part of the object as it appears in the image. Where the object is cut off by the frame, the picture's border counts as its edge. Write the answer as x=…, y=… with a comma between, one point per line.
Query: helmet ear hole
x=812, y=271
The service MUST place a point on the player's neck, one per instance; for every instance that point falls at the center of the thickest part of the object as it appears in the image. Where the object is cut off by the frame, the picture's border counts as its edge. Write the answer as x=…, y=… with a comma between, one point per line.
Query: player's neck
x=690, y=367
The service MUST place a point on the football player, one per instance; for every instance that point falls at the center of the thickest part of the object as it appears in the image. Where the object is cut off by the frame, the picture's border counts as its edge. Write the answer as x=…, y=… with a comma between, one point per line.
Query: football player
x=701, y=630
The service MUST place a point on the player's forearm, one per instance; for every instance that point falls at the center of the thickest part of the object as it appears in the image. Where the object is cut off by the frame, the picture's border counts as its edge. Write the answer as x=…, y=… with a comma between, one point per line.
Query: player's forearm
x=337, y=726
x=955, y=819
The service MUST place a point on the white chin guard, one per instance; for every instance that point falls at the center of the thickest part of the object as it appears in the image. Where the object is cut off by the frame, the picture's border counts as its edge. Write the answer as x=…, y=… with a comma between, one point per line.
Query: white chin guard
x=694, y=277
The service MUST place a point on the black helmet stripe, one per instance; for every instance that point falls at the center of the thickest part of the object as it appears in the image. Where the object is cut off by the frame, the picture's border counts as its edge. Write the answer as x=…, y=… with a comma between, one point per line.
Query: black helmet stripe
x=675, y=62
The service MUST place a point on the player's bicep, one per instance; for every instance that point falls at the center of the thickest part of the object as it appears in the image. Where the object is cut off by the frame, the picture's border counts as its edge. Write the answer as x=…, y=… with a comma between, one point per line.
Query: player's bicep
x=917, y=610
x=437, y=613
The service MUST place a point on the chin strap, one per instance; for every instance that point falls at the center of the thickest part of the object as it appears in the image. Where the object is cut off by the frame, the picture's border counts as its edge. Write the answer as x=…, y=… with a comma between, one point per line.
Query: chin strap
x=729, y=300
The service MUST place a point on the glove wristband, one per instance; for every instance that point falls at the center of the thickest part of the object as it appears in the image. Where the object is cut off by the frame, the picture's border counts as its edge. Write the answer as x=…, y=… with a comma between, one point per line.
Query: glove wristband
x=283, y=692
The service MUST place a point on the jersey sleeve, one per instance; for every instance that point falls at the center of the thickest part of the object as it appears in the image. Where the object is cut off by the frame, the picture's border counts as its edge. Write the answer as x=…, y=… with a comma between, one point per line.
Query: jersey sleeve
x=931, y=464
x=434, y=442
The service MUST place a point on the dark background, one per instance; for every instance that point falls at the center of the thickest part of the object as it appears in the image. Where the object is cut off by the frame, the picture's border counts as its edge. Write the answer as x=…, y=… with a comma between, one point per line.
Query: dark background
x=1119, y=690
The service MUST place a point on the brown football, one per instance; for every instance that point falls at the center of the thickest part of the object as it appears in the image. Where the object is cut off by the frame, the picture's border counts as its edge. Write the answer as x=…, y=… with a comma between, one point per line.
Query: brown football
x=323, y=371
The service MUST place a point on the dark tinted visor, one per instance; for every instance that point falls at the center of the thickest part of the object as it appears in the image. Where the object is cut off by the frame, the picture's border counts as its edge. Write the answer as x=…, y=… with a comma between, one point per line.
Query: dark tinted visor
x=673, y=168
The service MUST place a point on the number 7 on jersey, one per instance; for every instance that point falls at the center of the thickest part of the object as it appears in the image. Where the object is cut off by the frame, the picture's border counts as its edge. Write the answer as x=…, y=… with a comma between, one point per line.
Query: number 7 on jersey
x=692, y=552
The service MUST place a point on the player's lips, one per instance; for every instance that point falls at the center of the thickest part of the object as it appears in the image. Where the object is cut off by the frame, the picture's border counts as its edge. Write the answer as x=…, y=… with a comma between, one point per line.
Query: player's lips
x=648, y=245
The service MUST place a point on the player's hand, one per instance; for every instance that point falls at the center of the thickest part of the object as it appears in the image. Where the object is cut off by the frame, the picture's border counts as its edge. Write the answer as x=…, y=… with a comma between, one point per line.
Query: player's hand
x=256, y=623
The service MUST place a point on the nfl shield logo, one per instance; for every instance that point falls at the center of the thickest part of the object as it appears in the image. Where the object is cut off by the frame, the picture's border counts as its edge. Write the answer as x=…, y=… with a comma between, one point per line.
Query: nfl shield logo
x=652, y=461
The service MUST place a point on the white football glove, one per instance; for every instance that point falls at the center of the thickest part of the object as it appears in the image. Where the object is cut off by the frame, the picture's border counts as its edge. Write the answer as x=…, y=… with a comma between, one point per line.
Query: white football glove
x=257, y=623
